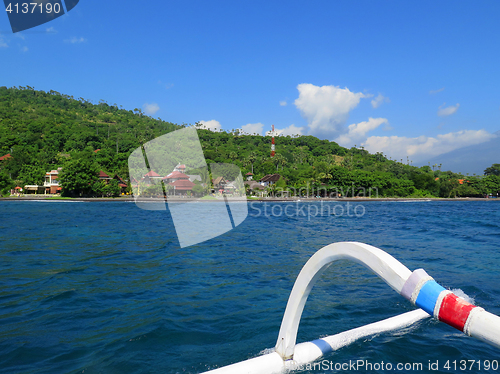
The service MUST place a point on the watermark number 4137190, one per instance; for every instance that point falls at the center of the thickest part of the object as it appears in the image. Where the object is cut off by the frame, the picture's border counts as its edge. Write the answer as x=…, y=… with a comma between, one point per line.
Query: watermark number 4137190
x=26, y=14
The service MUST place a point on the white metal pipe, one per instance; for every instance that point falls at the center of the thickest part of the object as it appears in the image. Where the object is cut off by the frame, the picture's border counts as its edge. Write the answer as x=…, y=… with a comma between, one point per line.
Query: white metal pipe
x=272, y=363
x=484, y=326
x=310, y=351
x=417, y=287
x=393, y=272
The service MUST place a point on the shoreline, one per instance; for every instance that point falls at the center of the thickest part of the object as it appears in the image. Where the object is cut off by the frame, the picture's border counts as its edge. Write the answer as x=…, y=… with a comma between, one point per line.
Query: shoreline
x=360, y=199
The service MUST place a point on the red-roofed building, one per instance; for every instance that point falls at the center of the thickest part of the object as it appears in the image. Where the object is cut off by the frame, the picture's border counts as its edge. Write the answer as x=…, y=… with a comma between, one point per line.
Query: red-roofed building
x=150, y=177
x=103, y=176
x=121, y=183
x=175, y=175
x=180, y=167
x=181, y=186
x=179, y=181
x=5, y=157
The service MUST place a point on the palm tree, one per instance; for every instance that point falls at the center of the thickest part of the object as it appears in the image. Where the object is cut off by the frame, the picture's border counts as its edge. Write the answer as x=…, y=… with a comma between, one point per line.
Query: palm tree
x=324, y=177
x=272, y=188
x=279, y=159
x=284, y=161
x=251, y=158
x=216, y=143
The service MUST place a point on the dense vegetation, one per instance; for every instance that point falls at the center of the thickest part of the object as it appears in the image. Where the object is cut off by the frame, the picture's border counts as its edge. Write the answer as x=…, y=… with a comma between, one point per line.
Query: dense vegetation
x=45, y=130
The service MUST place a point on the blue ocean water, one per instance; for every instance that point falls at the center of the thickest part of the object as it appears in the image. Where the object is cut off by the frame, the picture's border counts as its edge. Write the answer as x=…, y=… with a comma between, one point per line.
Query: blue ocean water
x=103, y=287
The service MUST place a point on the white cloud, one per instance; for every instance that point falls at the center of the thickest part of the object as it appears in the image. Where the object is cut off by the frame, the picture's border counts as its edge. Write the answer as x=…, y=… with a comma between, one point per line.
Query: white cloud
x=50, y=30
x=326, y=108
x=24, y=49
x=75, y=40
x=151, y=109
x=448, y=111
x=423, y=147
x=252, y=128
x=433, y=92
x=3, y=44
x=211, y=125
x=357, y=131
x=290, y=130
x=283, y=102
x=379, y=100
x=19, y=35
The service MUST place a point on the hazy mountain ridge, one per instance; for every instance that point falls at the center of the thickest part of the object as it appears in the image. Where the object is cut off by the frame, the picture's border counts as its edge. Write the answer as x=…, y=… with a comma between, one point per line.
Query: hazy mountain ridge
x=470, y=160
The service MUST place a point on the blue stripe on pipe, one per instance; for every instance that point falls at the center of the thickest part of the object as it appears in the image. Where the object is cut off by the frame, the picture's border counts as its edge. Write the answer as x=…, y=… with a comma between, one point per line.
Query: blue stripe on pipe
x=428, y=296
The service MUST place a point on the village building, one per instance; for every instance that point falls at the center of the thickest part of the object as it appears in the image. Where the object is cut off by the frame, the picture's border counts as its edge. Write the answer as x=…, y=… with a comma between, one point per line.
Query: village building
x=270, y=179
x=151, y=177
x=121, y=183
x=194, y=177
x=219, y=184
x=33, y=189
x=5, y=157
x=180, y=167
x=255, y=187
x=104, y=177
x=107, y=179
x=51, y=183
x=231, y=187
x=179, y=181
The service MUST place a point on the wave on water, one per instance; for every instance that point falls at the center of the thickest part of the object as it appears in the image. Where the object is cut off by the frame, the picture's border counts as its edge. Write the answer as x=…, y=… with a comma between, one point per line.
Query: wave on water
x=463, y=295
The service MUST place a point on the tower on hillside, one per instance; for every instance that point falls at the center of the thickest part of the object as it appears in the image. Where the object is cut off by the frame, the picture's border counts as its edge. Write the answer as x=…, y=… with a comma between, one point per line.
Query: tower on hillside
x=272, y=143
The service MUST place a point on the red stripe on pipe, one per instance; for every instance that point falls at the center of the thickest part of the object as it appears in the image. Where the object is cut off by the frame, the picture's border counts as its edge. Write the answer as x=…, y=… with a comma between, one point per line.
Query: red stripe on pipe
x=454, y=311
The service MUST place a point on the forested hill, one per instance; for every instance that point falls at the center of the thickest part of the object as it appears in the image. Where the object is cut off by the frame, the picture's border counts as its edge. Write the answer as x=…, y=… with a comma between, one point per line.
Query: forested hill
x=44, y=130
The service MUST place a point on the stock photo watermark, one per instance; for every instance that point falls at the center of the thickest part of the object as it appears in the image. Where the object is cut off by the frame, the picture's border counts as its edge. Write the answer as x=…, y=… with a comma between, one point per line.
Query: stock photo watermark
x=208, y=200
x=310, y=190
x=402, y=367
x=171, y=172
x=297, y=209
x=26, y=14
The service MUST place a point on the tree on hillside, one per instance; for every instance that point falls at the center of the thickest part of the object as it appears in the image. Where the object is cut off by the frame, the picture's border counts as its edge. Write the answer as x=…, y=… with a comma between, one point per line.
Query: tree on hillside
x=251, y=158
x=112, y=189
x=5, y=183
x=78, y=177
x=32, y=174
x=491, y=184
x=279, y=160
x=492, y=170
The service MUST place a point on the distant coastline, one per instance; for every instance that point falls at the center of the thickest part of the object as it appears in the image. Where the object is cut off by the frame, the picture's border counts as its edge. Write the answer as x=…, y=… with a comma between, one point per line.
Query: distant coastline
x=358, y=199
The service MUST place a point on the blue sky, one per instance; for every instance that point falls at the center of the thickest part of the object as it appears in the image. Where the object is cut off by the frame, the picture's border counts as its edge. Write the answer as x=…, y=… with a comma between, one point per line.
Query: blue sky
x=406, y=78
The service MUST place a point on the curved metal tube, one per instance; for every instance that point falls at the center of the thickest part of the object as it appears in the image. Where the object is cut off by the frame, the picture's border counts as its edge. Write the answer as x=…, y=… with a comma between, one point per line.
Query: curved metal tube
x=418, y=287
x=393, y=272
x=272, y=363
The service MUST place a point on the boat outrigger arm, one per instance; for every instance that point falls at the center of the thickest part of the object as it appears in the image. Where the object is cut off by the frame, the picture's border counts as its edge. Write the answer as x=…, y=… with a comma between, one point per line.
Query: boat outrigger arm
x=418, y=287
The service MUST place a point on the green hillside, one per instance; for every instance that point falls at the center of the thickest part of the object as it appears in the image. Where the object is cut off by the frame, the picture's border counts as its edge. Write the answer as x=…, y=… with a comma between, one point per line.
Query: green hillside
x=45, y=130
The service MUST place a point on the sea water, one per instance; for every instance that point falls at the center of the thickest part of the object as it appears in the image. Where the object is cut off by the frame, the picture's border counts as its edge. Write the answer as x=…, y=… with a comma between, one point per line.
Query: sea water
x=104, y=287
